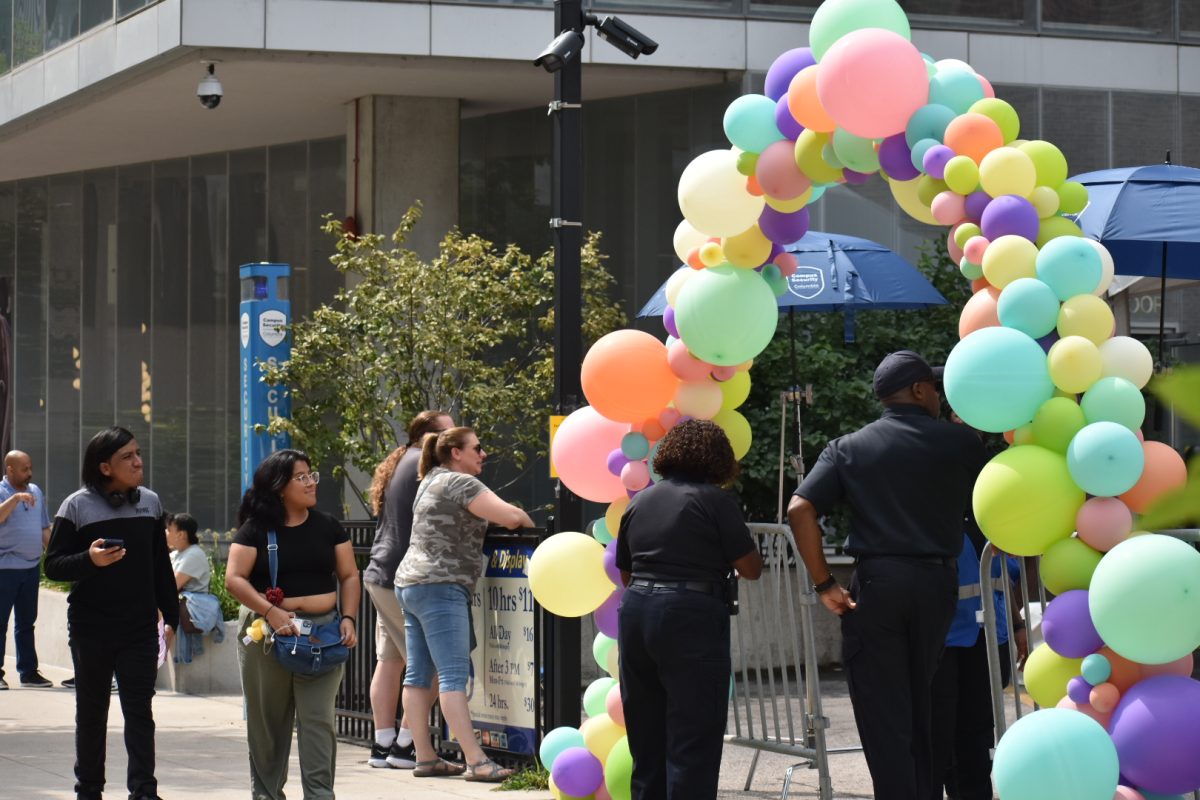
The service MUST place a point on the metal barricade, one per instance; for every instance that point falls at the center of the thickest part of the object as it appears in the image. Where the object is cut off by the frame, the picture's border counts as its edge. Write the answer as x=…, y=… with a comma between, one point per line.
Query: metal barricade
x=777, y=703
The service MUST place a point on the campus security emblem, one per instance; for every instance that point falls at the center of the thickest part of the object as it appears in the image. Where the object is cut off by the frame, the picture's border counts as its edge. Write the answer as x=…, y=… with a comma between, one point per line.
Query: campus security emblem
x=806, y=282
x=272, y=327
x=245, y=331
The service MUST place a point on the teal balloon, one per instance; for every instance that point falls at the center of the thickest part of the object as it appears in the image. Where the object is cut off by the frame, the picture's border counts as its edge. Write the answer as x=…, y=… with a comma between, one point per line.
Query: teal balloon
x=956, y=89
x=928, y=122
x=750, y=123
x=919, y=150
x=556, y=741
x=835, y=18
x=830, y=156
x=1096, y=669
x=971, y=272
x=1029, y=306
x=635, y=446
x=1114, y=400
x=595, y=695
x=1144, y=599
x=1069, y=266
x=996, y=379
x=600, y=531
x=726, y=315
x=1056, y=754
x=817, y=191
x=855, y=152
x=654, y=474
x=1105, y=459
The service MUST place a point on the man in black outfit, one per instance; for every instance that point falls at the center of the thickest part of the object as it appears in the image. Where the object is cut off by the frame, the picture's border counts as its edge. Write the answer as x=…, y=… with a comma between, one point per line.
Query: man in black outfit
x=907, y=479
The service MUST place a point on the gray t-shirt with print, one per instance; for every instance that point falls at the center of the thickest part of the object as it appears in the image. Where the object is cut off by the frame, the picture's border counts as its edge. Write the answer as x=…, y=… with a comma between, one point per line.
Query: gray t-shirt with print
x=192, y=561
x=447, y=539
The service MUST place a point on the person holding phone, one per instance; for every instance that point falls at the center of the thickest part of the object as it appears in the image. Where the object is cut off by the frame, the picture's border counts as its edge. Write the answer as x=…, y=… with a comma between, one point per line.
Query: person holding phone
x=107, y=540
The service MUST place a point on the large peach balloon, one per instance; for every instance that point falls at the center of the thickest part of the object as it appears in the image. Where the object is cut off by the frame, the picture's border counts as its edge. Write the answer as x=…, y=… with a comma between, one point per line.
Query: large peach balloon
x=871, y=81
x=1164, y=471
x=804, y=103
x=627, y=377
x=973, y=135
x=580, y=454
x=979, y=312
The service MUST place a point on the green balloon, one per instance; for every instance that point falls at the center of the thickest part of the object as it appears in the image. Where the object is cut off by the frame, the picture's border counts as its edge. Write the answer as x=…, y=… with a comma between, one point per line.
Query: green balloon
x=1002, y=114
x=726, y=315
x=855, y=152
x=1025, y=500
x=971, y=272
x=1114, y=400
x=600, y=531
x=1072, y=197
x=618, y=770
x=595, y=695
x=1048, y=160
x=835, y=18
x=1145, y=599
x=1068, y=564
x=601, y=646
x=1056, y=423
x=1047, y=674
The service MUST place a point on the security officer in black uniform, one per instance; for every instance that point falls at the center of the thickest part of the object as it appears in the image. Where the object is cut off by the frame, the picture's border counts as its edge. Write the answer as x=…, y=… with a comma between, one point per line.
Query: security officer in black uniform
x=907, y=479
x=679, y=541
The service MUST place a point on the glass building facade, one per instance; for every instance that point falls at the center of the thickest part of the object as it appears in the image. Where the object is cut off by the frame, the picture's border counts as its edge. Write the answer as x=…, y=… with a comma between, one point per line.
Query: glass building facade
x=119, y=296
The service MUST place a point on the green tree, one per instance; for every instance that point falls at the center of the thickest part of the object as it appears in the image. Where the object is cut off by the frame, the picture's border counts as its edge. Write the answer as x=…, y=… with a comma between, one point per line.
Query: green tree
x=840, y=374
x=469, y=332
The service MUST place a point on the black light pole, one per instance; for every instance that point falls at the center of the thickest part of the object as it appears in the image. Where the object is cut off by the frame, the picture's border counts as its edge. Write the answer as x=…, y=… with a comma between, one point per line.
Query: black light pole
x=563, y=670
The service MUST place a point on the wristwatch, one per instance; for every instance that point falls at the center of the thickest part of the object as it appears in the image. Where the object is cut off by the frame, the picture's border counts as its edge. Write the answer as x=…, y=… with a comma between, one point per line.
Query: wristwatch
x=825, y=585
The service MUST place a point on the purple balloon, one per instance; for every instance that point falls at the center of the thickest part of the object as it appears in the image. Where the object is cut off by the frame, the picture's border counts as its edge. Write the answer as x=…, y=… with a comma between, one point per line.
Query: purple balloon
x=786, y=67
x=785, y=122
x=610, y=563
x=606, y=615
x=1048, y=340
x=1078, y=690
x=1009, y=215
x=775, y=251
x=1157, y=738
x=1067, y=625
x=975, y=204
x=669, y=324
x=855, y=178
x=617, y=461
x=935, y=160
x=783, y=228
x=896, y=158
x=577, y=772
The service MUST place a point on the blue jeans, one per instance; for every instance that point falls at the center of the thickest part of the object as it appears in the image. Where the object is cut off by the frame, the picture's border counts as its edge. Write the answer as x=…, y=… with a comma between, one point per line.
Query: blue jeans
x=19, y=593
x=437, y=634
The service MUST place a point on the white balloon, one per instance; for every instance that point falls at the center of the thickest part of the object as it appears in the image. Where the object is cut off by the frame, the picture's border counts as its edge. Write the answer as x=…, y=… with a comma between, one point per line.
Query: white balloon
x=713, y=196
x=686, y=238
x=954, y=65
x=1126, y=357
x=1106, y=264
x=675, y=283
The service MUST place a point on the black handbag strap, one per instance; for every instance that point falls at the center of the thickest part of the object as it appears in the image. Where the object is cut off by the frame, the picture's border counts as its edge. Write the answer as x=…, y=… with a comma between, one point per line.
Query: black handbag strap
x=273, y=557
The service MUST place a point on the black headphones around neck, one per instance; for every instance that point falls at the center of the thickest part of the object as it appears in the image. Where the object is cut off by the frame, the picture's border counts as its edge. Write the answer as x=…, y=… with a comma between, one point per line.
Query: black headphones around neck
x=118, y=499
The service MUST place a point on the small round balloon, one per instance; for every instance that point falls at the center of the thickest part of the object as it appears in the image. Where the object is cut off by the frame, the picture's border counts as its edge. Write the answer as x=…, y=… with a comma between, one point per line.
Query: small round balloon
x=556, y=741
x=996, y=379
x=726, y=315
x=1025, y=501
x=1068, y=564
x=1114, y=400
x=713, y=197
x=1067, y=626
x=1056, y=423
x=577, y=772
x=566, y=574
x=1105, y=459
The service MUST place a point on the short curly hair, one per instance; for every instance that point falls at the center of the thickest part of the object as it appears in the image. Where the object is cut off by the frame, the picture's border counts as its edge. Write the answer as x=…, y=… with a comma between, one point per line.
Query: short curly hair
x=697, y=450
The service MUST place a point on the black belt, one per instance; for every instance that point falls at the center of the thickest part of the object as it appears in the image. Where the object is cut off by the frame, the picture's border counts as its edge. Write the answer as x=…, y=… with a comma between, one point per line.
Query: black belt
x=941, y=561
x=708, y=587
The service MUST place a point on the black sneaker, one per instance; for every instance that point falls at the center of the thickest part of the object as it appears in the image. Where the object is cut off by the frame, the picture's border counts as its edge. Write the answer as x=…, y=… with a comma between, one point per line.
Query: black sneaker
x=378, y=757
x=36, y=681
x=69, y=683
x=402, y=757
x=3, y=684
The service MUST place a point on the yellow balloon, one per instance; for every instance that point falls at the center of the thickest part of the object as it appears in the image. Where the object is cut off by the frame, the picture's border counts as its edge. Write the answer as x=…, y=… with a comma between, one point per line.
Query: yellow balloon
x=905, y=193
x=1023, y=436
x=1007, y=170
x=612, y=664
x=1009, y=258
x=790, y=206
x=566, y=574
x=713, y=197
x=735, y=390
x=1047, y=673
x=686, y=238
x=700, y=399
x=612, y=515
x=600, y=734
x=675, y=283
x=809, y=146
x=962, y=174
x=737, y=429
x=1088, y=316
x=711, y=254
x=749, y=249
x=1045, y=201
x=1075, y=364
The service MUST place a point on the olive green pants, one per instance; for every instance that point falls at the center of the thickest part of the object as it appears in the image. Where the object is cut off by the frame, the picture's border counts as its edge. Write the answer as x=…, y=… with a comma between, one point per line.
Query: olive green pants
x=276, y=700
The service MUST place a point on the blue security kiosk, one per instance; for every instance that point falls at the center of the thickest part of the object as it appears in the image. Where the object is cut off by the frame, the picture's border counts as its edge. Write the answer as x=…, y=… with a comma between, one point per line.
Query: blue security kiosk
x=264, y=314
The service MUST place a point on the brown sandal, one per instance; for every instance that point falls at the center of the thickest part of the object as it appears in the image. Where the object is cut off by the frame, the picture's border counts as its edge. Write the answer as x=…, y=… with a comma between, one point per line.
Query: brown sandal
x=486, y=771
x=438, y=768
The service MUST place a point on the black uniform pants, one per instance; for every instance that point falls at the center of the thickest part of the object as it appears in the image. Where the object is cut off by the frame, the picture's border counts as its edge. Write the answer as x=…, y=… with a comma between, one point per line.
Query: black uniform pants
x=134, y=661
x=963, y=732
x=891, y=645
x=675, y=688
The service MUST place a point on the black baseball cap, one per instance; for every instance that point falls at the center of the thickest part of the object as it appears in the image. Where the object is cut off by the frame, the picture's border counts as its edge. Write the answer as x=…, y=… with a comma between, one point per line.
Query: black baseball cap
x=901, y=369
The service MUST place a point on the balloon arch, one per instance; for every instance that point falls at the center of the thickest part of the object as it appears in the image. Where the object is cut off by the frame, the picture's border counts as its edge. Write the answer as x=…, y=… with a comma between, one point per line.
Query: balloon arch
x=1037, y=361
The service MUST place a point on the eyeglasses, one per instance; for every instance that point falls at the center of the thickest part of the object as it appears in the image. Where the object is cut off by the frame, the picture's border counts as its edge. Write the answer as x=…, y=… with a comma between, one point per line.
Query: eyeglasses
x=478, y=448
x=306, y=478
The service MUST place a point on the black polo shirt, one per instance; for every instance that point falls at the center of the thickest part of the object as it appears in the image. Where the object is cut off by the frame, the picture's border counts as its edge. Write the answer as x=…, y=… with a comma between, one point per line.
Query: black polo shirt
x=907, y=479
x=682, y=531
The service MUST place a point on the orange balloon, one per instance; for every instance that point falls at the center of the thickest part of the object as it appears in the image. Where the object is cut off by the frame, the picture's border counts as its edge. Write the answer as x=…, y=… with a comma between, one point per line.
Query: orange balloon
x=979, y=284
x=653, y=430
x=1163, y=472
x=805, y=105
x=1009, y=436
x=626, y=376
x=1125, y=673
x=979, y=312
x=973, y=135
x=1104, y=697
x=753, y=187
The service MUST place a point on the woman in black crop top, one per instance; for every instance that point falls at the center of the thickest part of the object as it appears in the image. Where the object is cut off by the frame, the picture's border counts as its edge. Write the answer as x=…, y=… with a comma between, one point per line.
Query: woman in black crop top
x=316, y=565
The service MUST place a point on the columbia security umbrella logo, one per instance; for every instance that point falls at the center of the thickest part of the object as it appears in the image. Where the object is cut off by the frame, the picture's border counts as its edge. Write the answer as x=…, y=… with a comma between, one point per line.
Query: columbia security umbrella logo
x=806, y=282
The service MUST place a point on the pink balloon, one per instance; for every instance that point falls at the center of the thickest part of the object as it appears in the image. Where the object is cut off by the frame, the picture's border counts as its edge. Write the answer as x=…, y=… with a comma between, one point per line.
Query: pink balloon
x=723, y=373
x=580, y=454
x=988, y=91
x=1101, y=717
x=685, y=365
x=1180, y=666
x=956, y=252
x=777, y=172
x=612, y=704
x=974, y=249
x=871, y=81
x=669, y=417
x=635, y=475
x=1104, y=522
x=601, y=793
x=949, y=208
x=1104, y=698
x=786, y=263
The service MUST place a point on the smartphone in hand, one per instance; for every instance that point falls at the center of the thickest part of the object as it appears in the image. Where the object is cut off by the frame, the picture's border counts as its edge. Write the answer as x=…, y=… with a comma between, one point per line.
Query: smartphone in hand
x=107, y=543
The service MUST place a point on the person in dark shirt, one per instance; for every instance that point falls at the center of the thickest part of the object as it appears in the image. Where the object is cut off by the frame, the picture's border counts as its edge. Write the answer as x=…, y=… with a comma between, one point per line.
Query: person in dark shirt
x=107, y=539
x=907, y=479
x=315, y=565
x=679, y=541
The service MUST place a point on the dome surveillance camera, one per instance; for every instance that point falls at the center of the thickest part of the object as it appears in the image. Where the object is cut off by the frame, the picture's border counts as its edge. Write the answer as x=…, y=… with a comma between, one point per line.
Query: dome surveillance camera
x=210, y=91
